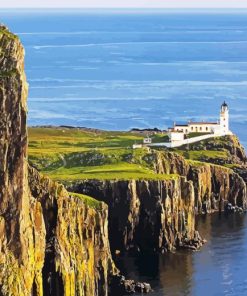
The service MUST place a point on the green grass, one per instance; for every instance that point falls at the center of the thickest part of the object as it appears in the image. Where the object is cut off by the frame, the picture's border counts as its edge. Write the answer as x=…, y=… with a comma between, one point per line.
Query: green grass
x=4, y=31
x=89, y=201
x=121, y=171
x=204, y=154
x=74, y=154
x=196, y=163
x=215, y=150
x=76, y=140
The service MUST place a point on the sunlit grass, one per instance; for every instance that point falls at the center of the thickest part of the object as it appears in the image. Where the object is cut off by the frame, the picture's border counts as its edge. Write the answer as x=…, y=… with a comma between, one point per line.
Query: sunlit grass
x=203, y=154
x=88, y=200
x=73, y=154
x=121, y=171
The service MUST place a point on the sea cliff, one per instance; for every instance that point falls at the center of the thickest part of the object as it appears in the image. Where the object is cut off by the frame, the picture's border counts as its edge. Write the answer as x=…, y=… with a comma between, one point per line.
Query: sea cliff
x=160, y=215
x=51, y=242
x=147, y=215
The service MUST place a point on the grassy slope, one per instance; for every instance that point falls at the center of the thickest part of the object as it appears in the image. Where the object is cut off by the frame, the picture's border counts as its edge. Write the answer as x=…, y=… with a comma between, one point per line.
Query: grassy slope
x=200, y=155
x=198, y=152
x=72, y=154
x=89, y=201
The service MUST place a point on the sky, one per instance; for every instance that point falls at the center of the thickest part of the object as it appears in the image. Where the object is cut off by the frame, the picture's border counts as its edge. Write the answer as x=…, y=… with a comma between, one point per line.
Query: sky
x=124, y=3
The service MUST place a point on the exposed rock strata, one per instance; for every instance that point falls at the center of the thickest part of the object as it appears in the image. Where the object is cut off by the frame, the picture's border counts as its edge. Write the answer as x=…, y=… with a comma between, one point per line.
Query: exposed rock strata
x=231, y=144
x=147, y=215
x=235, y=158
x=211, y=183
x=51, y=243
x=21, y=220
x=160, y=215
x=215, y=186
x=77, y=255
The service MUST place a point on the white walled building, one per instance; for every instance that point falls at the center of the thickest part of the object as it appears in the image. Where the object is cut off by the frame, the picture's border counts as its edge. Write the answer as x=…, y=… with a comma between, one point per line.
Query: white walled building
x=196, y=127
x=220, y=127
x=176, y=136
x=204, y=130
x=147, y=140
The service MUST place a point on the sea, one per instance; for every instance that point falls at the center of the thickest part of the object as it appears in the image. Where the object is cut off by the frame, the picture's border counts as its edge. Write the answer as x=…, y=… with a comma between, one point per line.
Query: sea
x=218, y=269
x=123, y=69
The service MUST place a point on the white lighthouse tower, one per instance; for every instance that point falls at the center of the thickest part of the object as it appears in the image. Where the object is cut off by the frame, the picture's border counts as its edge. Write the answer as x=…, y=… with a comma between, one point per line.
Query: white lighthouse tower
x=224, y=119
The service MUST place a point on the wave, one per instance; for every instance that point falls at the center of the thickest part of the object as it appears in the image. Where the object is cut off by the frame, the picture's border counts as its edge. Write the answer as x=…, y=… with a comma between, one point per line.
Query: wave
x=126, y=61
x=124, y=83
x=59, y=99
x=165, y=31
x=35, y=114
x=37, y=47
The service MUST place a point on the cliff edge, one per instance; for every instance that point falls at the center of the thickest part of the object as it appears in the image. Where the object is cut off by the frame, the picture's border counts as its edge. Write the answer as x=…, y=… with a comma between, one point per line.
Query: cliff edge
x=51, y=242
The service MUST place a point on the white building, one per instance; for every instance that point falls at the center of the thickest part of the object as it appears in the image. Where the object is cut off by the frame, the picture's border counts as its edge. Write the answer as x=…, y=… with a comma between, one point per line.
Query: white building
x=220, y=127
x=204, y=130
x=176, y=136
x=147, y=140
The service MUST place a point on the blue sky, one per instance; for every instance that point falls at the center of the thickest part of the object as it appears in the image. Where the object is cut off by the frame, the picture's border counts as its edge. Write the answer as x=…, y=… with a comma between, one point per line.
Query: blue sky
x=125, y=3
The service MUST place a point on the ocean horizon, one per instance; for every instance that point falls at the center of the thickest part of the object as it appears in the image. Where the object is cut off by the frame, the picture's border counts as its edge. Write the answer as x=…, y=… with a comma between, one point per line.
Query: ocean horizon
x=118, y=71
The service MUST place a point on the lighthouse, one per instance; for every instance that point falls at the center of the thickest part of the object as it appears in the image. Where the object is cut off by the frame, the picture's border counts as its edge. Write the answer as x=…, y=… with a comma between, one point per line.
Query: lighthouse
x=224, y=119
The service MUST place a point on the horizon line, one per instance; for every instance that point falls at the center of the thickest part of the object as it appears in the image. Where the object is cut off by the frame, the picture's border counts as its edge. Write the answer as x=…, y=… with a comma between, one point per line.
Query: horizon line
x=122, y=8
x=127, y=10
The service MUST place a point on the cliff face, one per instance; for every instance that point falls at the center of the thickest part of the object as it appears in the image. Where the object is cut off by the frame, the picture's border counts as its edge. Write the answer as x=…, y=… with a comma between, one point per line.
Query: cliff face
x=147, y=215
x=170, y=163
x=77, y=257
x=214, y=186
x=211, y=183
x=51, y=242
x=231, y=144
x=20, y=253
x=160, y=215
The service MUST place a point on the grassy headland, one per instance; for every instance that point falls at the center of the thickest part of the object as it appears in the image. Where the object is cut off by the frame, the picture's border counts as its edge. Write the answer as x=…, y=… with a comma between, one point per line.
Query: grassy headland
x=73, y=154
x=225, y=151
x=69, y=154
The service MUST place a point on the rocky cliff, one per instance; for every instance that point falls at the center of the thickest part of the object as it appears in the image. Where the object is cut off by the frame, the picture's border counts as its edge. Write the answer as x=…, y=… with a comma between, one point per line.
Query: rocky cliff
x=20, y=254
x=235, y=153
x=225, y=151
x=215, y=187
x=212, y=183
x=51, y=242
x=77, y=258
x=160, y=214
x=147, y=215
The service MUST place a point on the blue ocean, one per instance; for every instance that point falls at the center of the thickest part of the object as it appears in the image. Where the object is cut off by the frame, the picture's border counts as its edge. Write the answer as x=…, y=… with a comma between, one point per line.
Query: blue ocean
x=115, y=71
